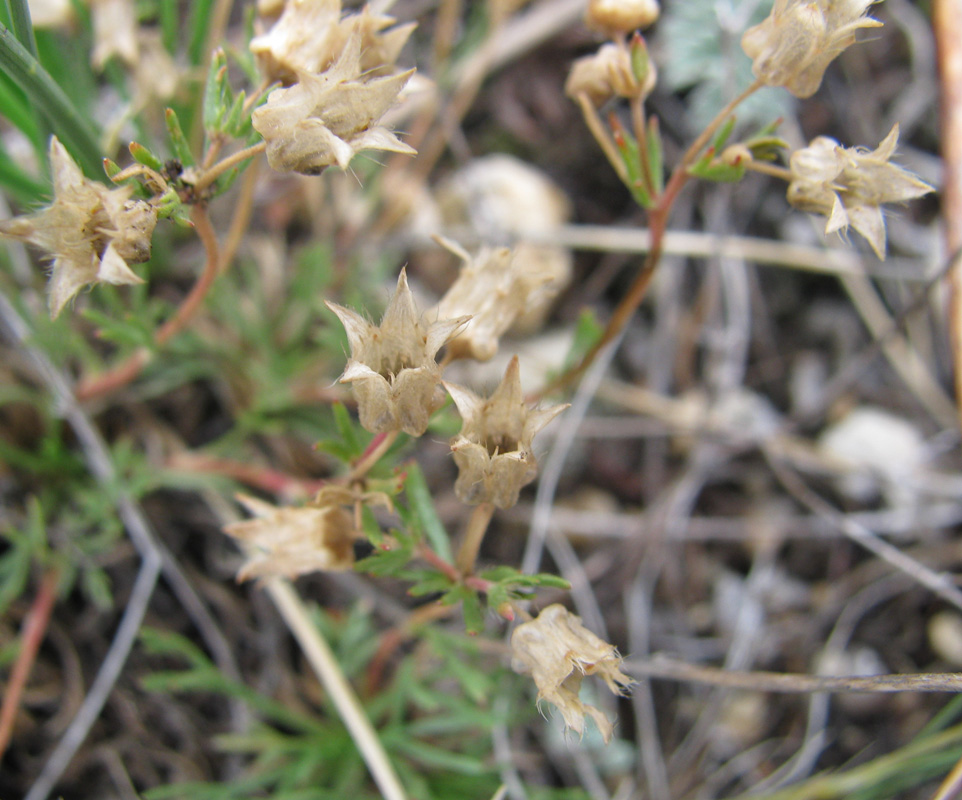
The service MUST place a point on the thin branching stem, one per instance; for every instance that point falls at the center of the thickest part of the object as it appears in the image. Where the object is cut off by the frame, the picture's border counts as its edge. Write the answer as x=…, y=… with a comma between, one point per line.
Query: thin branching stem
x=34, y=630
x=658, y=223
x=601, y=135
x=378, y=447
x=129, y=370
x=473, y=536
x=641, y=136
x=773, y=170
x=218, y=169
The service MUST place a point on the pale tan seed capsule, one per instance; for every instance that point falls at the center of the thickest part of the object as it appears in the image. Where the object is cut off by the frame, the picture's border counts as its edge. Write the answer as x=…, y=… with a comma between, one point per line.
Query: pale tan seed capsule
x=558, y=651
x=92, y=233
x=392, y=368
x=289, y=542
x=493, y=450
x=621, y=16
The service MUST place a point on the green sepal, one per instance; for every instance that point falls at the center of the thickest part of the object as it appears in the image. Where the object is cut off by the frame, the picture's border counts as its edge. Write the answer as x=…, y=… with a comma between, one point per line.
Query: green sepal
x=144, y=156
x=178, y=141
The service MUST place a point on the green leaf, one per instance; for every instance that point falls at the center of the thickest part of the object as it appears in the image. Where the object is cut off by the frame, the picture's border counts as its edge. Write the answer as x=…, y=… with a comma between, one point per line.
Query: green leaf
x=429, y=582
x=14, y=108
x=237, y=123
x=345, y=427
x=724, y=132
x=700, y=53
x=586, y=334
x=198, y=27
x=717, y=171
x=389, y=561
x=65, y=120
x=218, y=96
x=422, y=505
x=432, y=756
x=25, y=188
x=630, y=156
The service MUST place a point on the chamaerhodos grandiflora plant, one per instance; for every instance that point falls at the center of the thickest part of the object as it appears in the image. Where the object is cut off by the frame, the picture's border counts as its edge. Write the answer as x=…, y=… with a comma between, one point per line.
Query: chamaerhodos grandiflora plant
x=323, y=87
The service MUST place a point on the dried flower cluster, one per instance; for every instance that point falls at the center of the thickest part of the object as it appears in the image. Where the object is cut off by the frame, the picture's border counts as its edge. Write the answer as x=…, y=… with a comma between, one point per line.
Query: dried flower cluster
x=558, y=651
x=848, y=185
x=607, y=74
x=493, y=450
x=310, y=35
x=494, y=288
x=800, y=38
x=91, y=232
x=339, y=78
x=392, y=368
x=293, y=541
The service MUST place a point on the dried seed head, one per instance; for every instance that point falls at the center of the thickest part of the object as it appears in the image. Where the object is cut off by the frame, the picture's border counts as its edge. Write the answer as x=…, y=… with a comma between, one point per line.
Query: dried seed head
x=608, y=73
x=91, y=232
x=493, y=450
x=293, y=541
x=328, y=118
x=310, y=35
x=494, y=288
x=558, y=651
x=392, y=368
x=613, y=17
x=795, y=44
x=51, y=13
x=849, y=185
x=115, y=31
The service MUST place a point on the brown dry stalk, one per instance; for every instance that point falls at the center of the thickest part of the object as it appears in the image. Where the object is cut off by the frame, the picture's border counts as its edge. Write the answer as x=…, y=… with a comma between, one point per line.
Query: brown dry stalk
x=947, y=23
x=666, y=668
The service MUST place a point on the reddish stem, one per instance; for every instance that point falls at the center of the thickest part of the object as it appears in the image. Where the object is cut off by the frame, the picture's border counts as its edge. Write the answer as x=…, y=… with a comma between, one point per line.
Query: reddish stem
x=657, y=224
x=32, y=634
x=127, y=371
x=269, y=480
